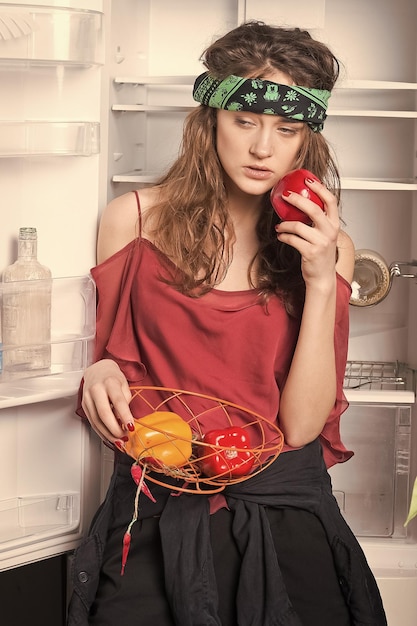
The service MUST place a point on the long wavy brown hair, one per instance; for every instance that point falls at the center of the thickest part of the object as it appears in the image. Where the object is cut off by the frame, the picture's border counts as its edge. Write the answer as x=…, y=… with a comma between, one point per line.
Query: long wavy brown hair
x=191, y=223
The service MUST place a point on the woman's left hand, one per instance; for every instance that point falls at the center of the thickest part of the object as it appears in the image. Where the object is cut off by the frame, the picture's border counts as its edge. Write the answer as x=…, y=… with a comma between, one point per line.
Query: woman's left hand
x=317, y=243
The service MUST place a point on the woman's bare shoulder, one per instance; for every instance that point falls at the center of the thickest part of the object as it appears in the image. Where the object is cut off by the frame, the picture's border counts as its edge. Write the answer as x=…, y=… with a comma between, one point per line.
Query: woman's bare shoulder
x=119, y=222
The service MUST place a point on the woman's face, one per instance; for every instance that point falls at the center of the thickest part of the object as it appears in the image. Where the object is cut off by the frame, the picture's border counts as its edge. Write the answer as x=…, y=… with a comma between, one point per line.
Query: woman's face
x=257, y=150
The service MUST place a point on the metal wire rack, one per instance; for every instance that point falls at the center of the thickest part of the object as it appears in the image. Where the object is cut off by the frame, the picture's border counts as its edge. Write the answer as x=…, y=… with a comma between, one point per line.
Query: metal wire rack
x=379, y=375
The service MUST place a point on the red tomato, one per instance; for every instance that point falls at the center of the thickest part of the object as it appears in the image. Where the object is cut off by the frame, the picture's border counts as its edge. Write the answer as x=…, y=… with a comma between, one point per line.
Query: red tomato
x=294, y=181
x=228, y=455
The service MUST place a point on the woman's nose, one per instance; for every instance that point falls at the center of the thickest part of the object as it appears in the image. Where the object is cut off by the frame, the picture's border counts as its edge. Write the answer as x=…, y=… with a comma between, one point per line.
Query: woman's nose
x=262, y=145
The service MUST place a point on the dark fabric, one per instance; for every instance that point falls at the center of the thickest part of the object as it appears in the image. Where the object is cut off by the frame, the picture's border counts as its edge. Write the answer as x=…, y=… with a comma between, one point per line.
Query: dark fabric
x=137, y=598
x=297, y=480
x=299, y=538
x=87, y=563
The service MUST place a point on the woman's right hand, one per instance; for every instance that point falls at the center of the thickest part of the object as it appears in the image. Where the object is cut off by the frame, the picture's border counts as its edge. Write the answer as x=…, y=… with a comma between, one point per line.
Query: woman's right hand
x=105, y=401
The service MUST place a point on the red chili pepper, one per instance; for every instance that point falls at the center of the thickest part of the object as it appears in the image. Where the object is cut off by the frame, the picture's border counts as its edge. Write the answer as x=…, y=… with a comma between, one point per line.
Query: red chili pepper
x=126, y=545
x=138, y=475
x=136, y=472
x=229, y=453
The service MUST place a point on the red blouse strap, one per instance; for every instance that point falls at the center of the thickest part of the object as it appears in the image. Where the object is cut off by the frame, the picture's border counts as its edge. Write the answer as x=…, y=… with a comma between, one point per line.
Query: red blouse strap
x=139, y=212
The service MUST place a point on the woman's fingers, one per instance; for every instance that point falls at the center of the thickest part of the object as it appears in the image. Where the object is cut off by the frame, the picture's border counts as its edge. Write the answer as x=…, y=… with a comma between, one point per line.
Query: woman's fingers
x=106, y=397
x=310, y=208
x=316, y=243
x=329, y=200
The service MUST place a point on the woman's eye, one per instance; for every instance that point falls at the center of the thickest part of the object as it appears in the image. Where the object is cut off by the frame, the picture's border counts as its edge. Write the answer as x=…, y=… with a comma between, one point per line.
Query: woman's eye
x=287, y=130
x=243, y=122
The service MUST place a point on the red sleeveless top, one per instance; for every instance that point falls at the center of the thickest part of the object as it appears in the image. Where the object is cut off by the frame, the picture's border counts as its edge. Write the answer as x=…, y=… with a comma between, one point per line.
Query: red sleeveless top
x=224, y=344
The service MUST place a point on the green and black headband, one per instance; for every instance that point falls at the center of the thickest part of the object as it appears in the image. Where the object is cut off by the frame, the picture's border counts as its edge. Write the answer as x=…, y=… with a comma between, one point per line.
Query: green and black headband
x=258, y=95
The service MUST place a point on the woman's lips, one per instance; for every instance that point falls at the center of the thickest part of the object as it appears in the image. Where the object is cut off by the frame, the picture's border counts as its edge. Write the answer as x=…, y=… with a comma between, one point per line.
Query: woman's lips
x=257, y=173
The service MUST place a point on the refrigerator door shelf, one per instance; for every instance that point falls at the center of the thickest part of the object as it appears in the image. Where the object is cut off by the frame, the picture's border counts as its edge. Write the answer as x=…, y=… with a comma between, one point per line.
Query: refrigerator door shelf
x=39, y=389
x=73, y=305
x=54, y=138
x=25, y=520
x=50, y=35
x=50, y=488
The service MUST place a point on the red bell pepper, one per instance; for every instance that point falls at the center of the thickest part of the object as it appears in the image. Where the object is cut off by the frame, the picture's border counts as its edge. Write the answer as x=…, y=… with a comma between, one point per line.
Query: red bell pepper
x=228, y=455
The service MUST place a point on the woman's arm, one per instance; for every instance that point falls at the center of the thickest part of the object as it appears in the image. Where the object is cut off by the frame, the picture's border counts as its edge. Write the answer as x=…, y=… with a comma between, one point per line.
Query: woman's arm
x=310, y=389
x=106, y=394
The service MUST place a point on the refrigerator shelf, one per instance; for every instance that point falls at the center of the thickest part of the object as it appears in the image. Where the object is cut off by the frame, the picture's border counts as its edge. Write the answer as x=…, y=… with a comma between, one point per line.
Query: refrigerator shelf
x=379, y=396
x=136, y=176
x=371, y=113
x=54, y=138
x=27, y=519
x=50, y=35
x=331, y=112
x=188, y=79
x=142, y=176
x=379, y=375
x=150, y=108
x=155, y=80
x=376, y=85
x=379, y=184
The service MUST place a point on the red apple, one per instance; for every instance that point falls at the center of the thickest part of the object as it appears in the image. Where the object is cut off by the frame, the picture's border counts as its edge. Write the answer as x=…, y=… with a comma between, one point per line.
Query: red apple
x=294, y=181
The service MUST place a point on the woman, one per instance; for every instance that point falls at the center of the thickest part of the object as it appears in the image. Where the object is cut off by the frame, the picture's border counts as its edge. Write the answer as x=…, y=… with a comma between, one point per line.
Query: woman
x=202, y=288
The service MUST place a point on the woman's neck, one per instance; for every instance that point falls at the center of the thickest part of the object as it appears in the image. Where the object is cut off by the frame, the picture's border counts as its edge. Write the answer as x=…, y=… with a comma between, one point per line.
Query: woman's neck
x=244, y=213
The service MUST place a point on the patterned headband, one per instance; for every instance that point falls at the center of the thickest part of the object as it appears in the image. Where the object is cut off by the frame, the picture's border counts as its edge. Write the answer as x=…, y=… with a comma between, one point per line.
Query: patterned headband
x=258, y=95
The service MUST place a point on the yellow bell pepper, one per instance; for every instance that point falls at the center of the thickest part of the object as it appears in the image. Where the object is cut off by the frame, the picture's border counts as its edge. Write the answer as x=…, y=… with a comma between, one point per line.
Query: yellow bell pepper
x=162, y=438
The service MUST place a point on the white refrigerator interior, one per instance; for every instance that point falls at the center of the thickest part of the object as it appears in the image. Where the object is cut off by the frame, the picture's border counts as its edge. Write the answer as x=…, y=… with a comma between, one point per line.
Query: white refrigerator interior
x=97, y=92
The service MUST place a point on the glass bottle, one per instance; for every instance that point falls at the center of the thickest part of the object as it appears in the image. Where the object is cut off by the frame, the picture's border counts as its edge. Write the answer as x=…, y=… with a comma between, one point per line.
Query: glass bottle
x=26, y=311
